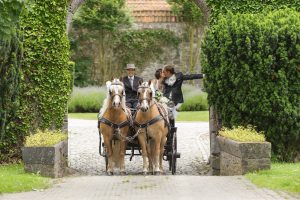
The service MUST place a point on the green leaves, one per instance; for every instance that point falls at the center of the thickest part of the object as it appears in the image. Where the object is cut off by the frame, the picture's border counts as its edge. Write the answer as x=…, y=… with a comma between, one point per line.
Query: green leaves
x=104, y=15
x=187, y=11
x=10, y=11
x=47, y=73
x=251, y=62
x=247, y=6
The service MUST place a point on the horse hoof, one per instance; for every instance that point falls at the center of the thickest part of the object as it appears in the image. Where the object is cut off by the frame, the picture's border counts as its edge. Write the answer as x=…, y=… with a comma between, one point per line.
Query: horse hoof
x=145, y=173
x=123, y=173
x=156, y=173
x=109, y=173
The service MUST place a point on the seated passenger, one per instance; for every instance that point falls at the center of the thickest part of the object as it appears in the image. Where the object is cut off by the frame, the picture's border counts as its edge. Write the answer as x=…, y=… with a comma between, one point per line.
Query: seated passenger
x=131, y=84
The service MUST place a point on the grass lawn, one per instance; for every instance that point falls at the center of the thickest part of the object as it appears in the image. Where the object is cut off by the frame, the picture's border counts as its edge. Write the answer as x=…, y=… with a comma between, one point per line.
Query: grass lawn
x=282, y=176
x=14, y=179
x=182, y=116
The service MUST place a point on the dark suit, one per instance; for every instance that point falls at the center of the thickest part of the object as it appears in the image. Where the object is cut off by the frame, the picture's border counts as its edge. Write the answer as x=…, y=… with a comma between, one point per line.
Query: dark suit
x=131, y=93
x=174, y=92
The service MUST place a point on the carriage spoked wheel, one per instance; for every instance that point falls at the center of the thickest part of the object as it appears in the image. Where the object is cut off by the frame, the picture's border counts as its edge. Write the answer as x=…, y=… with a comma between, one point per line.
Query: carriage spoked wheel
x=174, y=153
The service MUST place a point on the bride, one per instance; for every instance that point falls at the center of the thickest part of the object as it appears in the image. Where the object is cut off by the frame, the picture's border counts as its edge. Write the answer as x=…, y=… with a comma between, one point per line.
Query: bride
x=157, y=87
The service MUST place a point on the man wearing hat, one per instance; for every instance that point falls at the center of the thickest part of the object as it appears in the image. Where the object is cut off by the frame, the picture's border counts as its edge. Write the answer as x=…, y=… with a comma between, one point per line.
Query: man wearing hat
x=131, y=83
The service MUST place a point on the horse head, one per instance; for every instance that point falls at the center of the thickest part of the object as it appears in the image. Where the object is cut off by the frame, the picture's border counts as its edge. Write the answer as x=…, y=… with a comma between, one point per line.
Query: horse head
x=116, y=93
x=145, y=95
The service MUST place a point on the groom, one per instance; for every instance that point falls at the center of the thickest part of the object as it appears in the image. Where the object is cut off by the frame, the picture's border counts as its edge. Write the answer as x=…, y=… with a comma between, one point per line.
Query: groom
x=173, y=82
x=131, y=83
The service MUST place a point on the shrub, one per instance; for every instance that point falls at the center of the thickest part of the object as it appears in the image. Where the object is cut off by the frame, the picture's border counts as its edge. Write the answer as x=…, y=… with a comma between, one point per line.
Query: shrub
x=252, y=62
x=87, y=99
x=45, y=138
x=90, y=99
x=11, y=50
x=194, y=99
x=243, y=134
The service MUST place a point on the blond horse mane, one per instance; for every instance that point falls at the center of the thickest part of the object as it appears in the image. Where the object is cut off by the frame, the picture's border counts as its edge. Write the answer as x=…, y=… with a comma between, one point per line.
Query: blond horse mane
x=107, y=101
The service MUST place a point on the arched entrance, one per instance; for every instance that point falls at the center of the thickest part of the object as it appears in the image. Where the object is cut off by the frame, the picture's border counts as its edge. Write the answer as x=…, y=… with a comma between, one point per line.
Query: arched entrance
x=93, y=156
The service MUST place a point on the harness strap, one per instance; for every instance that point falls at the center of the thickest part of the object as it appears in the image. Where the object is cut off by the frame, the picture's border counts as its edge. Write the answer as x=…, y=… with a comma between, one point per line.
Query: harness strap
x=152, y=121
x=113, y=125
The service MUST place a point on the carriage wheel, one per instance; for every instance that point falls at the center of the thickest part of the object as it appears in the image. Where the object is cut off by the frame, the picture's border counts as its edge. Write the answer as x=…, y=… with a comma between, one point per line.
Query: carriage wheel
x=174, y=153
x=169, y=151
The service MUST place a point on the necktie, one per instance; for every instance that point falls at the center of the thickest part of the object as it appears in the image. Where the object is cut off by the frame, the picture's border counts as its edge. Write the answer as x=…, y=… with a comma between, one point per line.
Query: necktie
x=131, y=82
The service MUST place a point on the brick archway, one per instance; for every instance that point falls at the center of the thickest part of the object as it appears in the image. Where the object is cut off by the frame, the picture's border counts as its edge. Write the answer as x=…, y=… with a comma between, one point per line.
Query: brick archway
x=214, y=121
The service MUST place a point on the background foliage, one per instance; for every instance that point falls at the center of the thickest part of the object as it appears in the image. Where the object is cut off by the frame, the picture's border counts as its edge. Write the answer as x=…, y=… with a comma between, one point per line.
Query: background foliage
x=10, y=76
x=102, y=42
x=248, y=6
x=192, y=17
x=252, y=64
x=90, y=99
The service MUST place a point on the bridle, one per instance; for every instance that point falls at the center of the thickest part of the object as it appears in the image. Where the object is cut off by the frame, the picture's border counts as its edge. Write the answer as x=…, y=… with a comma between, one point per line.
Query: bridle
x=120, y=95
x=142, y=98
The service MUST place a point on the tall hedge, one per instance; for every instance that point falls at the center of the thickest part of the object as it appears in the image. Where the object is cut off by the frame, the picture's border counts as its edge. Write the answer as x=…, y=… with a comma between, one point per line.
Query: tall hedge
x=47, y=78
x=252, y=62
x=248, y=6
x=10, y=76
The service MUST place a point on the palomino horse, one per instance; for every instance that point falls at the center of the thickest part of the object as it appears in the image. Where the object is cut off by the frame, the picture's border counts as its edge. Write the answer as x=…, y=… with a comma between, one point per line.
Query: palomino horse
x=151, y=117
x=114, y=124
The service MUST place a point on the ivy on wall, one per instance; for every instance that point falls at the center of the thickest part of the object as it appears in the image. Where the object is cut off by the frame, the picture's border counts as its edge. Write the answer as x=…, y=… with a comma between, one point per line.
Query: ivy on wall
x=141, y=46
x=47, y=77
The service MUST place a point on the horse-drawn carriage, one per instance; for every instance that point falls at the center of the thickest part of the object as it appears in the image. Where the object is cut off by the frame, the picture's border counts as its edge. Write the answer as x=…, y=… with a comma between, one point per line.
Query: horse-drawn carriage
x=146, y=131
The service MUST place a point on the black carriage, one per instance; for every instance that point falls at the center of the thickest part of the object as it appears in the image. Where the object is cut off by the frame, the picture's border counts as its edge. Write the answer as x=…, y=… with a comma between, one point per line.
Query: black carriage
x=133, y=148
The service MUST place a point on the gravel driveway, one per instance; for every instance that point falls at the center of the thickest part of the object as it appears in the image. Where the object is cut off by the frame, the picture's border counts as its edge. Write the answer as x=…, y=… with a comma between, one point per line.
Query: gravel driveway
x=193, y=144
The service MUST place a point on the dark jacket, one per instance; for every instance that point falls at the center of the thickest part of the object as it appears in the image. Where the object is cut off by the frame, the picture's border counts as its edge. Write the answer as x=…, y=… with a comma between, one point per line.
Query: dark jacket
x=174, y=92
x=131, y=93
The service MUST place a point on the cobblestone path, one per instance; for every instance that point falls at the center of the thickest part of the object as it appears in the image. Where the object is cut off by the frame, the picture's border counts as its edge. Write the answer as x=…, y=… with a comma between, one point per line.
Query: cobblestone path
x=193, y=144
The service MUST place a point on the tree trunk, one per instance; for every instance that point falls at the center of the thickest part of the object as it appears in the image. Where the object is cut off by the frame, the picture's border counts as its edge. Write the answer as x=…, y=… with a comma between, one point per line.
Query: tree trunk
x=205, y=10
x=74, y=5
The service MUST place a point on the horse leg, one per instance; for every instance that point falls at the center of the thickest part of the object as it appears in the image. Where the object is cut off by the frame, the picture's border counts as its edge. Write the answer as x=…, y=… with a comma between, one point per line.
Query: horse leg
x=156, y=156
x=142, y=142
x=108, y=145
x=162, y=148
x=122, y=157
x=150, y=151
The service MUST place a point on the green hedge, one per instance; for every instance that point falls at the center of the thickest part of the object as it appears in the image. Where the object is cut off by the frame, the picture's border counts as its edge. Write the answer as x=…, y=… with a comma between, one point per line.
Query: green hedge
x=47, y=73
x=253, y=75
x=247, y=6
x=11, y=50
x=90, y=99
x=194, y=99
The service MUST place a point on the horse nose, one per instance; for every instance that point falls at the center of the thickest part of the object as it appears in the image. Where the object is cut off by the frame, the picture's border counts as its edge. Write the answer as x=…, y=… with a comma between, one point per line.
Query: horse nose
x=116, y=104
x=145, y=109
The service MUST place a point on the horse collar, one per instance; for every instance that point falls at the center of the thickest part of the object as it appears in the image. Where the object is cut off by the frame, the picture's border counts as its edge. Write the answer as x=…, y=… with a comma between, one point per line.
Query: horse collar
x=149, y=123
x=113, y=125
